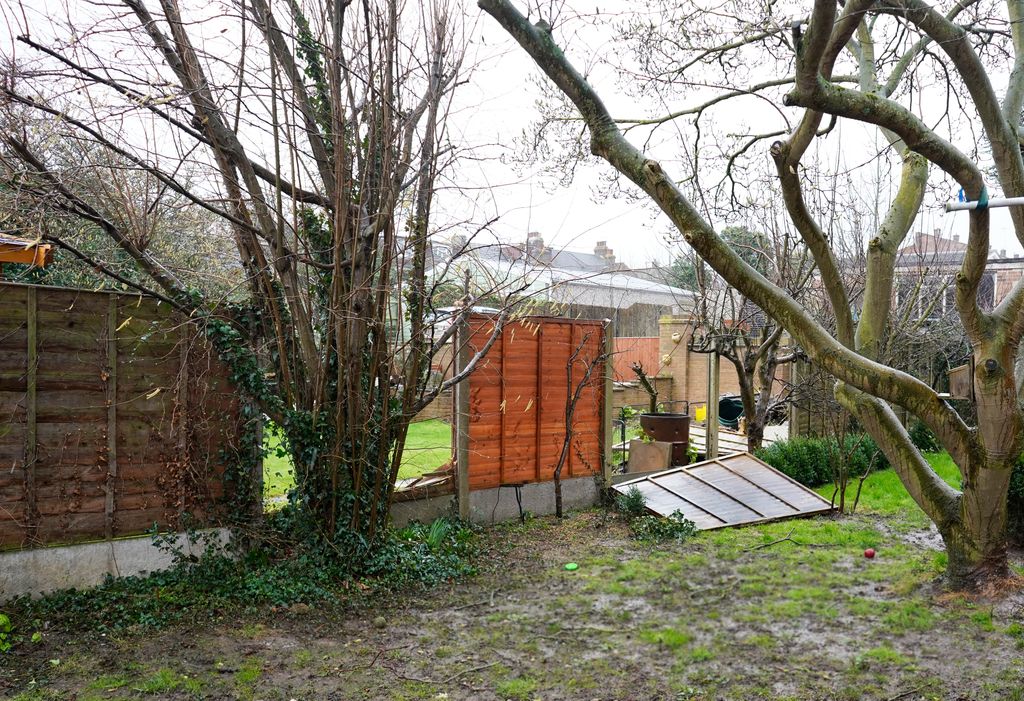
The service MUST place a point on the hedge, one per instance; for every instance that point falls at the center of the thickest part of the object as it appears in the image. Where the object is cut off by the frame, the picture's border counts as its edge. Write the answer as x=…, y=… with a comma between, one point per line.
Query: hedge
x=1015, y=502
x=812, y=461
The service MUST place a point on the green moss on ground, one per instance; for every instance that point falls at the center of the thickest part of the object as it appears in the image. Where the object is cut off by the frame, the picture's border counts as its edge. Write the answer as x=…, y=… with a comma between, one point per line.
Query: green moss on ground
x=787, y=610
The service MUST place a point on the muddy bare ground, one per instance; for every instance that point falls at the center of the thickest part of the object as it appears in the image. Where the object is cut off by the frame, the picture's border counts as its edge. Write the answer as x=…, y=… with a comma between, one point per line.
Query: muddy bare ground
x=718, y=617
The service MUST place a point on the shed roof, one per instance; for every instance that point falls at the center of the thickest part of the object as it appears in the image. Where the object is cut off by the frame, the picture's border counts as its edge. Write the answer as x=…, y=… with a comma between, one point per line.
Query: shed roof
x=733, y=490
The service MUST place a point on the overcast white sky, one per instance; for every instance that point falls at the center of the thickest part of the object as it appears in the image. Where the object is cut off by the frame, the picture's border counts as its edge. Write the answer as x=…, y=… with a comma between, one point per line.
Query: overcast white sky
x=498, y=104
x=492, y=111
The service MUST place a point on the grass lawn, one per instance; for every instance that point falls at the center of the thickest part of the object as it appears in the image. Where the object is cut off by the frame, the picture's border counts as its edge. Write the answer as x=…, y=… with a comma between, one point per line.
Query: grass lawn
x=784, y=611
x=428, y=447
x=884, y=494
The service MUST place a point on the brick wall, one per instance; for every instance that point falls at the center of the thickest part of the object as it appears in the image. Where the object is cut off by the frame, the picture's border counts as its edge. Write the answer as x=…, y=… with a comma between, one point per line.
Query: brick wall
x=631, y=394
x=689, y=371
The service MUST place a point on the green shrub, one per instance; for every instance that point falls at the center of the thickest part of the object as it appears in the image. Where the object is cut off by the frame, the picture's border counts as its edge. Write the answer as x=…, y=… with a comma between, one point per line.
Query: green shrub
x=647, y=527
x=813, y=461
x=273, y=571
x=865, y=454
x=632, y=504
x=5, y=632
x=923, y=438
x=675, y=527
x=1015, y=502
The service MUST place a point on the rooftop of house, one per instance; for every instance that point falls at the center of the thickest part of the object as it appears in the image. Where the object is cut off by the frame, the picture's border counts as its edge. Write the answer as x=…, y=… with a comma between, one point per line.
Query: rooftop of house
x=937, y=250
x=535, y=253
x=934, y=243
x=565, y=275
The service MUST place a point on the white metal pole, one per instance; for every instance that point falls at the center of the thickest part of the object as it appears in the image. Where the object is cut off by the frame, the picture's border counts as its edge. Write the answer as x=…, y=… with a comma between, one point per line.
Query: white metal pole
x=994, y=202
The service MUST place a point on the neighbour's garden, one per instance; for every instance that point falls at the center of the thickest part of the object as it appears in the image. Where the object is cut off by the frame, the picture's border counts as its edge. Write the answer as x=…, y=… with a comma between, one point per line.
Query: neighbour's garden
x=787, y=610
x=428, y=447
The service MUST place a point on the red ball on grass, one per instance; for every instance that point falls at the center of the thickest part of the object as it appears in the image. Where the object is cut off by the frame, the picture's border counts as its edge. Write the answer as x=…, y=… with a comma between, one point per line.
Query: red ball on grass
x=869, y=553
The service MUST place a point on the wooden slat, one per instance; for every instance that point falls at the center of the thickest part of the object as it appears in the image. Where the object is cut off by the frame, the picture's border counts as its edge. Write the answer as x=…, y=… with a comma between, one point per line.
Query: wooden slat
x=29, y=464
x=503, y=401
x=111, y=400
x=84, y=440
x=517, y=417
x=539, y=402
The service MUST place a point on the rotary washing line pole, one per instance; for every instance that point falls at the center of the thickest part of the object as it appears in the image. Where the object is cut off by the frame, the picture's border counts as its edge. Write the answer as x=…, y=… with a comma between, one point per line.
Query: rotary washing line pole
x=994, y=202
x=983, y=202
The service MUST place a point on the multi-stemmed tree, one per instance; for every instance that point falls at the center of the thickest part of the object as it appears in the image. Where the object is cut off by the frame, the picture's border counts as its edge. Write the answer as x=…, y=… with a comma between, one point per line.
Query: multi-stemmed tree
x=862, y=61
x=312, y=133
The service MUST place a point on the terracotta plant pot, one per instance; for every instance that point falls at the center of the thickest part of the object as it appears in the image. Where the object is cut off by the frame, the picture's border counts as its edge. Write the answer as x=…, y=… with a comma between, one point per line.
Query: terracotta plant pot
x=671, y=428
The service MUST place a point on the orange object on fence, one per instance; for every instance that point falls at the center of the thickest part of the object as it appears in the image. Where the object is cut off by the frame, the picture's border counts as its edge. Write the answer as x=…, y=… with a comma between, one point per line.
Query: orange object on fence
x=14, y=249
x=517, y=398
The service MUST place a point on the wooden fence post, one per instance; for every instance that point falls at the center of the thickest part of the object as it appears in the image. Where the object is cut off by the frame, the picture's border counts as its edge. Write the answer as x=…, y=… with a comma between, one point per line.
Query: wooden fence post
x=31, y=497
x=182, y=414
x=502, y=406
x=538, y=424
x=462, y=358
x=111, y=399
x=607, y=411
x=711, y=431
x=794, y=410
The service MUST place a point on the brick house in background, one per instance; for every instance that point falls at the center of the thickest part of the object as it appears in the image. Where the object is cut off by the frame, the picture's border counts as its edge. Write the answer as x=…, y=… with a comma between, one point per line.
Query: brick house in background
x=926, y=271
x=563, y=282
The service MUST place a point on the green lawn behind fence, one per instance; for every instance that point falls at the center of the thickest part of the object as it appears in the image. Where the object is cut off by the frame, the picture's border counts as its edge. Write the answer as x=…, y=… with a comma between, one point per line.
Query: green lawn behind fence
x=428, y=447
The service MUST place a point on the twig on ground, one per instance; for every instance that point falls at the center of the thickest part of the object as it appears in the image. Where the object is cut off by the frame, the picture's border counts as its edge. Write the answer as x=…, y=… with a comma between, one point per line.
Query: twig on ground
x=464, y=672
x=376, y=657
x=775, y=542
x=908, y=692
x=469, y=605
x=442, y=682
x=408, y=678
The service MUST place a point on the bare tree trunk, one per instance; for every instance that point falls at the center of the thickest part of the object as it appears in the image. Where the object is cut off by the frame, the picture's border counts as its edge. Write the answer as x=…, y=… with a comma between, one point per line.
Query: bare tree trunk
x=754, y=424
x=976, y=540
x=972, y=522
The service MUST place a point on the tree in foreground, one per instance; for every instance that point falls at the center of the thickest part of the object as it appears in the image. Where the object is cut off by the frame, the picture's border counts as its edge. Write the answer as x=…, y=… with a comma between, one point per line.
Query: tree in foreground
x=309, y=137
x=888, y=46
